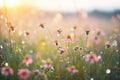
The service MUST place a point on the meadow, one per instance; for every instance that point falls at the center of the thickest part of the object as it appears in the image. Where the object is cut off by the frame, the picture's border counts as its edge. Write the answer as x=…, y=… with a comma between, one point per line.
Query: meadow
x=38, y=46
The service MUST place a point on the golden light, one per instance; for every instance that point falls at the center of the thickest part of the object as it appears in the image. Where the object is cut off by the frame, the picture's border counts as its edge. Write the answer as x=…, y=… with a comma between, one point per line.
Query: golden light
x=10, y=3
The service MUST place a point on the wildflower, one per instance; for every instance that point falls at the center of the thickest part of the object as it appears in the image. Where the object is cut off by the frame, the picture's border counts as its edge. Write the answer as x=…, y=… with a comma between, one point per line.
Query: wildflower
x=96, y=40
x=36, y=72
x=10, y=26
x=107, y=45
x=59, y=31
x=76, y=48
x=27, y=33
x=99, y=32
x=27, y=60
x=115, y=43
x=69, y=39
x=42, y=25
x=61, y=50
x=47, y=64
x=81, y=48
x=92, y=58
x=73, y=28
x=24, y=74
x=72, y=69
x=87, y=32
x=6, y=71
x=55, y=43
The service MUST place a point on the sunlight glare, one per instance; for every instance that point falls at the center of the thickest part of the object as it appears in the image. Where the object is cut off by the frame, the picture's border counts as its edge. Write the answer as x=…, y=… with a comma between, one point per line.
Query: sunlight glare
x=10, y=3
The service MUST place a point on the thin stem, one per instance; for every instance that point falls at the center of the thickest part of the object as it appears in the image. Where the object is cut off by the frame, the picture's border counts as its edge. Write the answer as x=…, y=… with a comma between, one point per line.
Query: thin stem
x=86, y=41
x=49, y=33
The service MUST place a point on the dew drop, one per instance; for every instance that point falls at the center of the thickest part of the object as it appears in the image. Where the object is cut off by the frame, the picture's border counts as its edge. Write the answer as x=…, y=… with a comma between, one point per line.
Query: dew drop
x=108, y=71
x=6, y=64
x=23, y=42
x=99, y=57
x=91, y=78
x=1, y=47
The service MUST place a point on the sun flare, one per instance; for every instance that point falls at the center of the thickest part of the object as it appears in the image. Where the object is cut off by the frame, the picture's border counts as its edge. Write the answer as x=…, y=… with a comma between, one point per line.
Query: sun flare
x=10, y=3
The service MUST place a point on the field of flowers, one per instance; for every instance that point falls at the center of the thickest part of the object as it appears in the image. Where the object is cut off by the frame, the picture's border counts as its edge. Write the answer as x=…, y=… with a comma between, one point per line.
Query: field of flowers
x=91, y=53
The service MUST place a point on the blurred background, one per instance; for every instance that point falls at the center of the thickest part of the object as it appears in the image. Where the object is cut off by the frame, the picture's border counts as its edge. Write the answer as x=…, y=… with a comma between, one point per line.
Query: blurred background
x=29, y=14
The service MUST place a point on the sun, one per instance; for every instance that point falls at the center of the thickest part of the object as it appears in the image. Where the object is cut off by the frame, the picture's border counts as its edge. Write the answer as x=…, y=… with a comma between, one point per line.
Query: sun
x=10, y=3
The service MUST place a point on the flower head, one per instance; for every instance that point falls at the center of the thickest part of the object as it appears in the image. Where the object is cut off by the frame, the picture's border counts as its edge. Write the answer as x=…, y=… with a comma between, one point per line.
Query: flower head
x=10, y=26
x=96, y=40
x=55, y=43
x=61, y=50
x=92, y=58
x=69, y=38
x=27, y=33
x=73, y=28
x=87, y=32
x=99, y=32
x=47, y=64
x=76, y=48
x=36, y=72
x=24, y=74
x=107, y=45
x=27, y=60
x=6, y=71
x=59, y=31
x=42, y=25
x=72, y=69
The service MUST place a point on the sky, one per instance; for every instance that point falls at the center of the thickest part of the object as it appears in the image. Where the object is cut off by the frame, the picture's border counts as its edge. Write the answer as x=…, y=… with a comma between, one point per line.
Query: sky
x=74, y=5
x=68, y=5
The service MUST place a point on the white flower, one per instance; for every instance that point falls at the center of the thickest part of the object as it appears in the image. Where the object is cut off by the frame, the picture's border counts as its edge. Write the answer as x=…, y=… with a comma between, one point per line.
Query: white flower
x=114, y=43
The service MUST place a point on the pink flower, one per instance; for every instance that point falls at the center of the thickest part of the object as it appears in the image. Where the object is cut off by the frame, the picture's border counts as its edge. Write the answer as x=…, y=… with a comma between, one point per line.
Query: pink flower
x=7, y=71
x=69, y=39
x=61, y=50
x=27, y=60
x=99, y=32
x=92, y=58
x=107, y=45
x=55, y=43
x=96, y=40
x=59, y=31
x=87, y=32
x=72, y=69
x=47, y=64
x=24, y=74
